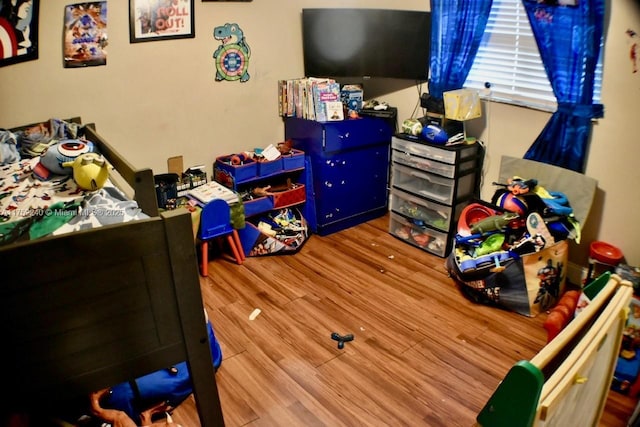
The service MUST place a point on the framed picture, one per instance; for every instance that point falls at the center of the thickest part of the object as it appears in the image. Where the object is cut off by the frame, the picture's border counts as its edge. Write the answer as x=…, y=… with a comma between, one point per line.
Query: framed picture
x=151, y=20
x=18, y=31
x=85, y=34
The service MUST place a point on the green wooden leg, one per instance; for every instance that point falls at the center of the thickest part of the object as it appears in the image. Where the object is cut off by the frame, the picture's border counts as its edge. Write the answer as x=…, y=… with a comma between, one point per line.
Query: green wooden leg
x=515, y=401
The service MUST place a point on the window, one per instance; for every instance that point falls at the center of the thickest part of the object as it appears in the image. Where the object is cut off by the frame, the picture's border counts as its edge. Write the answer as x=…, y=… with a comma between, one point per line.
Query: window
x=508, y=59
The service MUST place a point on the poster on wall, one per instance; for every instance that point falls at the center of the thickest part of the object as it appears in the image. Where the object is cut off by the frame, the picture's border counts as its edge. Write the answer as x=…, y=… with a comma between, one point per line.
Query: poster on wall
x=18, y=31
x=85, y=34
x=232, y=55
x=151, y=20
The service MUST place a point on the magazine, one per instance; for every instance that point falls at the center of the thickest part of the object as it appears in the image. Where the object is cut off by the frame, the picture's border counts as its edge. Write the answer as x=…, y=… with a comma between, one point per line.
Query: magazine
x=213, y=190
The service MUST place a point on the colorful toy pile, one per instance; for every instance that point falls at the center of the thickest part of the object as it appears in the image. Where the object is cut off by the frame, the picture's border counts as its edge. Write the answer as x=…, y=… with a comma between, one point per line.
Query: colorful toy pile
x=523, y=218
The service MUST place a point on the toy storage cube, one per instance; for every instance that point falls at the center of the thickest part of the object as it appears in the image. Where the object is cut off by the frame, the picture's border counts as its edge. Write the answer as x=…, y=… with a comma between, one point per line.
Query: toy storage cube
x=293, y=160
x=290, y=197
x=258, y=205
x=230, y=174
x=266, y=167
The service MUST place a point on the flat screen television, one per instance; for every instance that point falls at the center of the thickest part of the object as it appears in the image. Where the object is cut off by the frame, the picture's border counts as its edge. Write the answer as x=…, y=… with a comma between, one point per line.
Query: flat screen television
x=366, y=43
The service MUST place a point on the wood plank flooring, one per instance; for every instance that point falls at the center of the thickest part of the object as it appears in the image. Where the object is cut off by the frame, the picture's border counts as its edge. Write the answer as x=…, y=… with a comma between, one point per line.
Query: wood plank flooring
x=422, y=354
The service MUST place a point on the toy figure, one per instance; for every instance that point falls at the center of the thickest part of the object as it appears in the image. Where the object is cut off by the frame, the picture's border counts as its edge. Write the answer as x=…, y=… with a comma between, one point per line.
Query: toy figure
x=517, y=185
x=90, y=171
x=493, y=223
x=549, y=287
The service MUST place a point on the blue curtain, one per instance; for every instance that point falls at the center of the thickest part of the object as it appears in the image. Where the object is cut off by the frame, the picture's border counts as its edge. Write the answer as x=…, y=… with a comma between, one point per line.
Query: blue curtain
x=568, y=39
x=456, y=31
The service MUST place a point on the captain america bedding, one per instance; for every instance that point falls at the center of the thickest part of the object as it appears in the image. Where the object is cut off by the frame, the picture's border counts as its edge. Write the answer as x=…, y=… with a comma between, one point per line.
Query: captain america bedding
x=34, y=206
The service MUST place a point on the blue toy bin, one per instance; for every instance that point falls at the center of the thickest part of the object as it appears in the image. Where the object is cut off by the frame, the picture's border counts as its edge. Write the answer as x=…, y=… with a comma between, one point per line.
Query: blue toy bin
x=293, y=160
x=236, y=173
x=269, y=167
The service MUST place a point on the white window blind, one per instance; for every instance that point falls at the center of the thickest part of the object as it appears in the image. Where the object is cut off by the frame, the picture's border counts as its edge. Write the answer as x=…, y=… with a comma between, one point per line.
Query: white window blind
x=509, y=60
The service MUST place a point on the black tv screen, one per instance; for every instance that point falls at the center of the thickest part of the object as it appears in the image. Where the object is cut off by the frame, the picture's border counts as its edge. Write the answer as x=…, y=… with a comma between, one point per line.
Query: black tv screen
x=366, y=43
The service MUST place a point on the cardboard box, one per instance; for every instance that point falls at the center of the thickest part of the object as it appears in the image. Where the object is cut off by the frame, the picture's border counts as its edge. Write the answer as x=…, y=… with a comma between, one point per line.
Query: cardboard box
x=462, y=104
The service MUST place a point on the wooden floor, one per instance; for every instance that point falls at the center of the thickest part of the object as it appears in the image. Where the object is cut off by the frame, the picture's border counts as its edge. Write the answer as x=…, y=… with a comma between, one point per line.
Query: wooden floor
x=422, y=354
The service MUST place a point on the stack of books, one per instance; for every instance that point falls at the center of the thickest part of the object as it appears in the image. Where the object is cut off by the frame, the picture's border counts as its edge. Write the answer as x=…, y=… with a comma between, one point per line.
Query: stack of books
x=310, y=98
x=203, y=194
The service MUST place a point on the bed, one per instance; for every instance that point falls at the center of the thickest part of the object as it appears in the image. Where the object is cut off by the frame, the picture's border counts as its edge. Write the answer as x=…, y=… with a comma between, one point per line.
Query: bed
x=90, y=309
x=567, y=382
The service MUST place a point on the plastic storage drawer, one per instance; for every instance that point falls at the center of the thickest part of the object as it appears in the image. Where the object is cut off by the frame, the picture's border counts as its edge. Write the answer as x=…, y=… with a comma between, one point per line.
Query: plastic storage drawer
x=417, y=235
x=442, y=154
x=431, y=186
x=425, y=211
x=433, y=166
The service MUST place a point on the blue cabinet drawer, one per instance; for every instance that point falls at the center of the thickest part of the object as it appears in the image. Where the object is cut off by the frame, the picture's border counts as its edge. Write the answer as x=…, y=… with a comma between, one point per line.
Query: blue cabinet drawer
x=357, y=133
x=351, y=183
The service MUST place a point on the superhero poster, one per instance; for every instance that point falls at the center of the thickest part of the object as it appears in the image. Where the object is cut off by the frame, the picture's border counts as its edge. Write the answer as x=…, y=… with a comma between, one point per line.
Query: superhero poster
x=18, y=31
x=85, y=34
x=151, y=20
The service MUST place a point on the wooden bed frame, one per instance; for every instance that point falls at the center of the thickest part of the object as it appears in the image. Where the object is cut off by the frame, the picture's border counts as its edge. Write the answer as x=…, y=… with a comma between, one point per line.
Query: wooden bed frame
x=568, y=381
x=90, y=309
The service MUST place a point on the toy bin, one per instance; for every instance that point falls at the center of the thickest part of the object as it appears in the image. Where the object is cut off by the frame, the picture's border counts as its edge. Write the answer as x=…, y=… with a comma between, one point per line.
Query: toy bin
x=257, y=206
x=279, y=232
x=293, y=160
x=230, y=173
x=269, y=167
x=288, y=197
x=528, y=284
x=515, y=255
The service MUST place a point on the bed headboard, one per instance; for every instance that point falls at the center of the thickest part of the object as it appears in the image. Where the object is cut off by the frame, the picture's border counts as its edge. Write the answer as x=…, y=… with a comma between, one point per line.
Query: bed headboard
x=140, y=181
x=83, y=314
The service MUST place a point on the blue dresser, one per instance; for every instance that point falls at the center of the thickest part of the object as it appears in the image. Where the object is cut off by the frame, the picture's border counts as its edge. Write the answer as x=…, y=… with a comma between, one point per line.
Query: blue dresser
x=347, y=170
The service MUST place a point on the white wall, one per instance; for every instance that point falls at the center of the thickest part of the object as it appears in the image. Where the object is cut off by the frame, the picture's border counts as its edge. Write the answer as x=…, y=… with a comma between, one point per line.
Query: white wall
x=159, y=99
